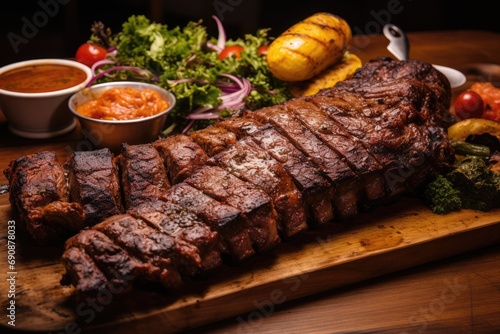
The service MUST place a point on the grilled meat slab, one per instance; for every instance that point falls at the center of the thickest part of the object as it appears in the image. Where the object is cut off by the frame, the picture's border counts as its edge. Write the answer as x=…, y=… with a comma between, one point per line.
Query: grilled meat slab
x=94, y=182
x=227, y=220
x=338, y=172
x=242, y=185
x=316, y=191
x=255, y=205
x=181, y=156
x=82, y=271
x=39, y=198
x=183, y=225
x=143, y=175
x=119, y=267
x=159, y=250
x=213, y=139
x=249, y=162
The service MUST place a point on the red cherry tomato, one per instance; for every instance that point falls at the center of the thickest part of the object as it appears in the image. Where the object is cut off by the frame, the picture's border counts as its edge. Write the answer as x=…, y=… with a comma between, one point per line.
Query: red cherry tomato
x=228, y=51
x=89, y=54
x=491, y=99
x=262, y=50
x=469, y=104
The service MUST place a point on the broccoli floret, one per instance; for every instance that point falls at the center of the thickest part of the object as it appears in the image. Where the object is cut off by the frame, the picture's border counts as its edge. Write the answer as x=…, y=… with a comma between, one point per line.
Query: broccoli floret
x=441, y=196
x=478, y=186
x=471, y=185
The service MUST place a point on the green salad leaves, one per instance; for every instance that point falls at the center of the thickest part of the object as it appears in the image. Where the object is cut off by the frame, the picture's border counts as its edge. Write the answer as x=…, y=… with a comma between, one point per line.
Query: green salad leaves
x=185, y=60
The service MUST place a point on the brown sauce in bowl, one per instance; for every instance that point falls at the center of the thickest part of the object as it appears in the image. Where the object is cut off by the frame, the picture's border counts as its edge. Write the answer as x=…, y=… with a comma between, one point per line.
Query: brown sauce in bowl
x=124, y=104
x=41, y=78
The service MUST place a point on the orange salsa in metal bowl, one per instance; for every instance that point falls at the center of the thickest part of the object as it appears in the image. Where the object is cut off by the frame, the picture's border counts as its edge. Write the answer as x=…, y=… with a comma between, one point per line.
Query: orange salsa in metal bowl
x=124, y=103
x=41, y=78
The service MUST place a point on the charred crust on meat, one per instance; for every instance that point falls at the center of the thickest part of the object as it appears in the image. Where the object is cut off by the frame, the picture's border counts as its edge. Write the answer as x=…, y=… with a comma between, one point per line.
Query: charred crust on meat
x=230, y=191
x=39, y=198
x=94, y=182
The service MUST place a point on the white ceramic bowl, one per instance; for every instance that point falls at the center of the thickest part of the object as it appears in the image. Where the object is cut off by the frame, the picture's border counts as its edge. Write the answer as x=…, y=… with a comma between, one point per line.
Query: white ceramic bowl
x=112, y=133
x=40, y=115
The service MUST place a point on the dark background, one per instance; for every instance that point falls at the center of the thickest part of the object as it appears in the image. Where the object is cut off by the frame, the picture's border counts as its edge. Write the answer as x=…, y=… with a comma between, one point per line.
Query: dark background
x=66, y=23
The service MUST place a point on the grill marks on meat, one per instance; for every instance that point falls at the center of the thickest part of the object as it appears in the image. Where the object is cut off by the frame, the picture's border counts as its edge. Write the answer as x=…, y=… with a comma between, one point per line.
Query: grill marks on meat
x=39, y=198
x=240, y=185
x=82, y=271
x=225, y=219
x=334, y=167
x=415, y=80
x=161, y=251
x=362, y=163
x=240, y=126
x=185, y=226
x=255, y=205
x=396, y=126
x=143, y=175
x=316, y=191
x=181, y=155
x=368, y=129
x=119, y=267
x=249, y=162
x=94, y=182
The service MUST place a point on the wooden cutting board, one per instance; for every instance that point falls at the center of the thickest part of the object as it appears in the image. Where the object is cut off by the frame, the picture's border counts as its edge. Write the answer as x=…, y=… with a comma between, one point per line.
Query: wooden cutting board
x=390, y=238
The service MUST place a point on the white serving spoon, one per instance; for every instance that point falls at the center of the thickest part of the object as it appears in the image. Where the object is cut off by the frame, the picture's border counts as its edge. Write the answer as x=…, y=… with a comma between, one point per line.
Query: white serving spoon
x=399, y=46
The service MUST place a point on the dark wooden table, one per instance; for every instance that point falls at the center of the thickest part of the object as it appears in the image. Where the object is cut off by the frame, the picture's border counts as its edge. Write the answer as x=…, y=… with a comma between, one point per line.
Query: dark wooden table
x=456, y=295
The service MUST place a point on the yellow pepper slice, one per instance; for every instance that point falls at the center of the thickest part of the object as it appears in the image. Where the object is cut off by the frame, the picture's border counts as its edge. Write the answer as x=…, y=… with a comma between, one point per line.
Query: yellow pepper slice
x=473, y=126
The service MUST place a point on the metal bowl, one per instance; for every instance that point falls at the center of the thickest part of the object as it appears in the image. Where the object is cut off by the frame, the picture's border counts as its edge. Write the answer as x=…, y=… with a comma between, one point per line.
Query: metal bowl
x=112, y=133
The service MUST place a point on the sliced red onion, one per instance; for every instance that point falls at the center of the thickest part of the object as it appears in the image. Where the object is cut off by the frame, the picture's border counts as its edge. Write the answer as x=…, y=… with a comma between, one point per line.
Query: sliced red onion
x=200, y=110
x=221, y=40
x=188, y=126
x=233, y=93
x=200, y=113
x=228, y=87
x=210, y=115
x=213, y=47
x=178, y=81
x=238, y=95
x=122, y=68
x=229, y=90
x=100, y=63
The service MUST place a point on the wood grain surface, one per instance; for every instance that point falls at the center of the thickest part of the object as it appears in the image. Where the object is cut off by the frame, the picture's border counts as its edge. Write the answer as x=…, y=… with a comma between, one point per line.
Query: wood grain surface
x=344, y=278
x=391, y=238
